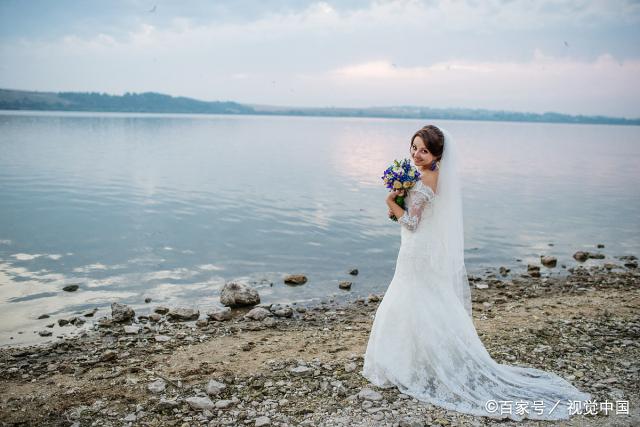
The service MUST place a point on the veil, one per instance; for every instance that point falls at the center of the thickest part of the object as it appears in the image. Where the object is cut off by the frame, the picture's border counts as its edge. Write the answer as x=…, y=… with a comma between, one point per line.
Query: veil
x=448, y=224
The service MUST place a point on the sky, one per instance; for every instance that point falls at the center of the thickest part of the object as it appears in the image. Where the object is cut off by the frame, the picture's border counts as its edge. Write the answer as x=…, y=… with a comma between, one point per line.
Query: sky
x=567, y=56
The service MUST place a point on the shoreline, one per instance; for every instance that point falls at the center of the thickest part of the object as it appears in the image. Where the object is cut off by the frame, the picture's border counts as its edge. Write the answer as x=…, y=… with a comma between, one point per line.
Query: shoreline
x=35, y=330
x=304, y=369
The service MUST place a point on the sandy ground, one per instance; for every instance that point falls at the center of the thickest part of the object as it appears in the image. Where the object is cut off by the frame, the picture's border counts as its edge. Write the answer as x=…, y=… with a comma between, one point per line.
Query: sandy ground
x=584, y=327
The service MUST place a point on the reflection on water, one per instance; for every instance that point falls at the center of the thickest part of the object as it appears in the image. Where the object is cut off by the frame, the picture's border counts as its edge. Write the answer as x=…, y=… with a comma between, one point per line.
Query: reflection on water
x=129, y=206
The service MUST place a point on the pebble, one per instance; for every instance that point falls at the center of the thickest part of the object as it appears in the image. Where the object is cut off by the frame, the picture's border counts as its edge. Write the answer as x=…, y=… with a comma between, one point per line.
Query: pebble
x=215, y=387
x=158, y=386
x=280, y=310
x=549, y=261
x=301, y=370
x=350, y=367
x=223, y=404
x=369, y=394
x=129, y=418
x=161, y=310
x=183, y=314
x=295, y=279
x=121, y=312
x=220, y=315
x=199, y=402
x=131, y=329
x=109, y=355
x=269, y=322
x=168, y=403
x=262, y=421
x=344, y=284
x=257, y=313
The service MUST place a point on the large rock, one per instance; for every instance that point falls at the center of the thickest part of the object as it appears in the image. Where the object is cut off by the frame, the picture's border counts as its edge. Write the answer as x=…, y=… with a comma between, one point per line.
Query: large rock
x=237, y=294
x=183, y=314
x=220, y=315
x=258, y=313
x=121, y=312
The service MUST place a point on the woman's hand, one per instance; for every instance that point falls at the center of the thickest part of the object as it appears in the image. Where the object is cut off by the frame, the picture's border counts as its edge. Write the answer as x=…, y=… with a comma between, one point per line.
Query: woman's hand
x=391, y=197
x=394, y=209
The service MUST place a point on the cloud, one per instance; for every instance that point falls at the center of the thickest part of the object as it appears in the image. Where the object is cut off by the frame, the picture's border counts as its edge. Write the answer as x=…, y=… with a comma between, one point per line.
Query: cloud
x=323, y=53
x=29, y=257
x=544, y=82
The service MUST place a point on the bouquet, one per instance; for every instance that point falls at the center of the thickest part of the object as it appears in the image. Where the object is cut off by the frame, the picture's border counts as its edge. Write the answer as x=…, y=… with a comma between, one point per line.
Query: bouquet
x=401, y=175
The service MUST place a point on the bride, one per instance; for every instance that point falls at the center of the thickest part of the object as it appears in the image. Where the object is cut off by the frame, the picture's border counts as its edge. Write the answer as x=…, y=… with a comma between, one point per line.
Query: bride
x=423, y=340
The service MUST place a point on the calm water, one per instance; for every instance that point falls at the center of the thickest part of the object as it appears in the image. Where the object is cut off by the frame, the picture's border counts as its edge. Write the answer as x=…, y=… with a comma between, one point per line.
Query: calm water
x=170, y=207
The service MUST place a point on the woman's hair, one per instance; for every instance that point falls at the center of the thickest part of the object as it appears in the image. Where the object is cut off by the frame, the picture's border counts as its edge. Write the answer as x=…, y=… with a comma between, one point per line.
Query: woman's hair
x=433, y=138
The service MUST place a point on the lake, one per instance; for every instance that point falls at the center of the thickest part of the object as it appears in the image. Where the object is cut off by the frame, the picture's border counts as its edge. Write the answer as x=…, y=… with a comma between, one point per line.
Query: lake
x=170, y=207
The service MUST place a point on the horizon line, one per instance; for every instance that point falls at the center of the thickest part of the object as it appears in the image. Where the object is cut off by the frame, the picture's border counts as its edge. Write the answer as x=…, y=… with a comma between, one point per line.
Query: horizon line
x=332, y=107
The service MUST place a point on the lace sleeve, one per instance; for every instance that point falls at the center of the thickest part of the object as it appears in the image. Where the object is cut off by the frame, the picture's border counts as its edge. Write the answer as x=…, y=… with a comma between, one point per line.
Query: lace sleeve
x=419, y=198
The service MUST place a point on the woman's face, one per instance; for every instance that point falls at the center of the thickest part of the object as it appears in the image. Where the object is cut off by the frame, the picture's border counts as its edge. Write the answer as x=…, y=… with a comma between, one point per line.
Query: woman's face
x=419, y=153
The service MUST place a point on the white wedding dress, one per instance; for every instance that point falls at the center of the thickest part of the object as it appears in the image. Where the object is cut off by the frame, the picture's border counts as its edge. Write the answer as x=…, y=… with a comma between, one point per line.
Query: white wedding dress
x=423, y=340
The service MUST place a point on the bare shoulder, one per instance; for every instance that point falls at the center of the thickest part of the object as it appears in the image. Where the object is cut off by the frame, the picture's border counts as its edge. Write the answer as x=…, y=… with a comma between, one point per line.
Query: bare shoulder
x=430, y=180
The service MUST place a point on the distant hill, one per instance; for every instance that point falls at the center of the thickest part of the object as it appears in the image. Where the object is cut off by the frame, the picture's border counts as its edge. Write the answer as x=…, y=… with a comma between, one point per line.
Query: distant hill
x=150, y=102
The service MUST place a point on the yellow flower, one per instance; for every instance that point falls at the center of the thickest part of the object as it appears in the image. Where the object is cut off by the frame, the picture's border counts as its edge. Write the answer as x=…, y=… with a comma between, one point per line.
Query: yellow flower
x=397, y=185
x=408, y=184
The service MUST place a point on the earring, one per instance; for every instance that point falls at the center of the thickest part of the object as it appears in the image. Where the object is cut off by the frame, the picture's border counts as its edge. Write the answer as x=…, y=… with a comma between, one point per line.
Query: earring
x=434, y=165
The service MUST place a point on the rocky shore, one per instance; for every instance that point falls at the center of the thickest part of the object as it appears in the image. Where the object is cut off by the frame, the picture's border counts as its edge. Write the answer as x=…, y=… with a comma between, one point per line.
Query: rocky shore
x=290, y=365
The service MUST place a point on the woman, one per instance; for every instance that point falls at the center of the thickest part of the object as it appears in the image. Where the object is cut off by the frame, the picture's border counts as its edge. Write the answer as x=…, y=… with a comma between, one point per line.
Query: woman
x=423, y=340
